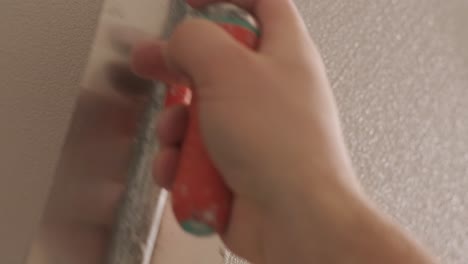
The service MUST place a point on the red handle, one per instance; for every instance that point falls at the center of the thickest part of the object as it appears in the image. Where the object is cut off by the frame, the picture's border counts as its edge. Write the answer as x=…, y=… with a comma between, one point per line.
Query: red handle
x=201, y=201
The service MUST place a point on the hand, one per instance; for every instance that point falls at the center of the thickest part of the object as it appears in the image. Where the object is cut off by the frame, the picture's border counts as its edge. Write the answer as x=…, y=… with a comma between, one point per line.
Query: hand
x=268, y=118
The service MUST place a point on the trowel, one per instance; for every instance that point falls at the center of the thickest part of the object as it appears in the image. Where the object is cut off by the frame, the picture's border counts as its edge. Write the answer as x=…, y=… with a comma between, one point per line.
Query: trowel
x=103, y=206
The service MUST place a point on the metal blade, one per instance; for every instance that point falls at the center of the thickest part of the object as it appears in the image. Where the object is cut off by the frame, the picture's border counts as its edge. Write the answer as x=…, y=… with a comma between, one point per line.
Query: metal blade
x=103, y=207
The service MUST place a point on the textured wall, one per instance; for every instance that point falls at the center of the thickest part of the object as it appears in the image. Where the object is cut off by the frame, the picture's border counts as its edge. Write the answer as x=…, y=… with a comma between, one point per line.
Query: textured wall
x=400, y=73
x=43, y=49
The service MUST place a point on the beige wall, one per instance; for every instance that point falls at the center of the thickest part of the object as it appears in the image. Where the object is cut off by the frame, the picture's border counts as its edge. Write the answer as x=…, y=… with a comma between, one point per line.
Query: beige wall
x=43, y=48
x=400, y=73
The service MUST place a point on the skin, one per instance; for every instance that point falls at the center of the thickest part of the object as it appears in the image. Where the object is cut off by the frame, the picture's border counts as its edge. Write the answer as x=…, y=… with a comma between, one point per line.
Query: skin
x=270, y=124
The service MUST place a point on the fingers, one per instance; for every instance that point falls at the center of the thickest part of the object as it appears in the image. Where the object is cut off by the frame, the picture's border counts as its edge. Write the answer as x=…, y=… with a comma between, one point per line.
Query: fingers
x=204, y=51
x=148, y=61
x=200, y=51
x=280, y=21
x=171, y=127
x=165, y=166
x=196, y=47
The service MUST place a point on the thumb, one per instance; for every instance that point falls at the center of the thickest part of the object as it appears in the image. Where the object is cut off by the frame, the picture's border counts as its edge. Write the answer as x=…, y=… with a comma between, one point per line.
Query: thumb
x=205, y=52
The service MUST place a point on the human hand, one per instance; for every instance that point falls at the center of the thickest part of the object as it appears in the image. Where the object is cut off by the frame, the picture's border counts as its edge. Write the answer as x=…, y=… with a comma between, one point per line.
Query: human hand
x=268, y=118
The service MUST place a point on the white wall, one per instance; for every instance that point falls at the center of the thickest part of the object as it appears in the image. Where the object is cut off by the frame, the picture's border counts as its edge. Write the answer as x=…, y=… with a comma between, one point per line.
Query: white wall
x=399, y=70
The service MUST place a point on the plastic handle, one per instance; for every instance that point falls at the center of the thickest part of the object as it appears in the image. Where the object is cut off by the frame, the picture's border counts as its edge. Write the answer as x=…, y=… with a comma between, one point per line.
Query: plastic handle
x=201, y=201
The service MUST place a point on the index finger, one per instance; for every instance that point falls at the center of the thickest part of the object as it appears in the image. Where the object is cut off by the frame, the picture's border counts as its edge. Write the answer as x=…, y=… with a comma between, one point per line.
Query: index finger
x=280, y=21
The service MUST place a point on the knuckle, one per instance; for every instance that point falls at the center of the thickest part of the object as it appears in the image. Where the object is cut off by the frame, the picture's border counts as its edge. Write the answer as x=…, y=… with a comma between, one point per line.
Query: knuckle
x=188, y=31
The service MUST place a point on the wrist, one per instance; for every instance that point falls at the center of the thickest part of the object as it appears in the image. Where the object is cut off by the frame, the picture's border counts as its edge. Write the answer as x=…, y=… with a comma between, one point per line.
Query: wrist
x=330, y=186
x=307, y=222
x=337, y=224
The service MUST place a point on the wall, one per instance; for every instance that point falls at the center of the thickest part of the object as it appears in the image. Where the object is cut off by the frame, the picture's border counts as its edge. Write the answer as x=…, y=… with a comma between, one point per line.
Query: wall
x=43, y=49
x=399, y=70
